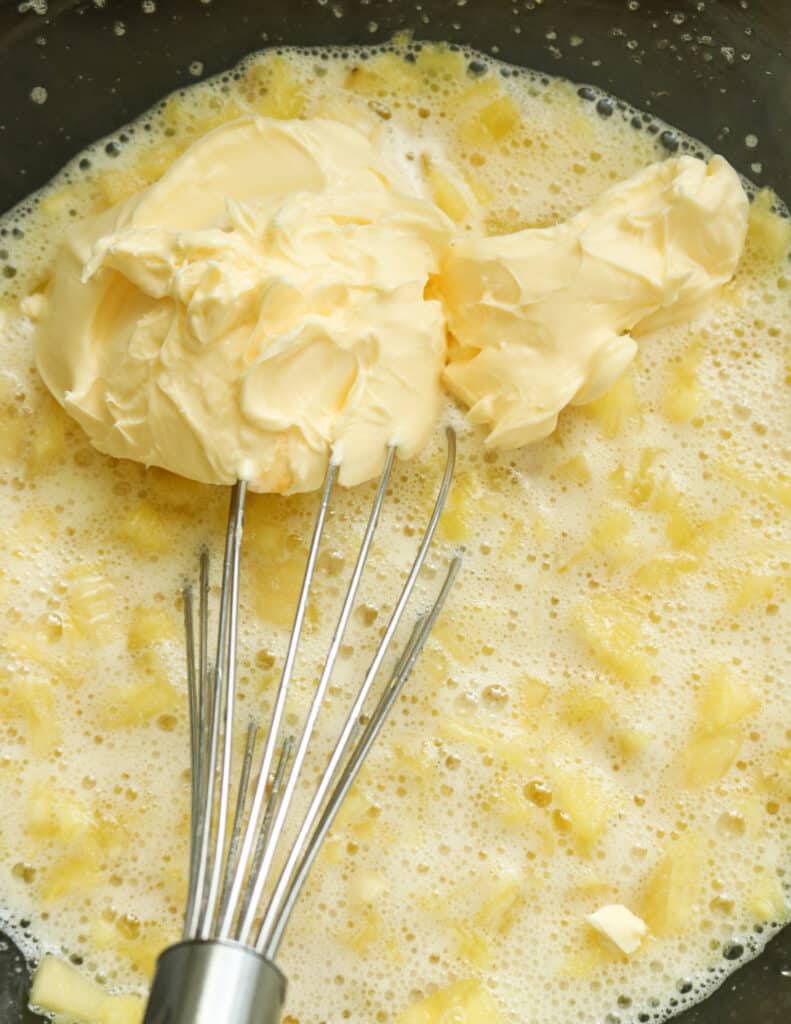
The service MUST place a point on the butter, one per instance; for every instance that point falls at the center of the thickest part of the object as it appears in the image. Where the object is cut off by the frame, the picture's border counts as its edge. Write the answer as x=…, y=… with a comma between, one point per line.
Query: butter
x=544, y=318
x=257, y=311
x=619, y=926
x=263, y=308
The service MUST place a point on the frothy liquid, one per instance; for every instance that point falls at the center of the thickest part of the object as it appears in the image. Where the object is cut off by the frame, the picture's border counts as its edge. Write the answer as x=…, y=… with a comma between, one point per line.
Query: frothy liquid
x=602, y=715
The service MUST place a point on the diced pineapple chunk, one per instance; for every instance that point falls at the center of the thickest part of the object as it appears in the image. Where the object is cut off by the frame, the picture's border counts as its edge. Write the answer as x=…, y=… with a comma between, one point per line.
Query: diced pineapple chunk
x=150, y=626
x=499, y=911
x=584, y=705
x=725, y=702
x=464, y=1001
x=752, y=589
x=684, y=395
x=469, y=498
x=614, y=634
x=586, y=803
x=388, y=74
x=774, y=489
x=616, y=407
x=150, y=696
x=670, y=899
x=636, y=487
x=90, y=601
x=277, y=89
x=49, y=438
x=448, y=191
x=116, y=186
x=574, y=470
x=776, y=775
x=147, y=530
x=663, y=570
x=474, y=947
x=34, y=703
x=490, y=122
x=708, y=758
x=766, y=899
x=438, y=62
x=768, y=234
x=61, y=989
x=631, y=742
x=609, y=538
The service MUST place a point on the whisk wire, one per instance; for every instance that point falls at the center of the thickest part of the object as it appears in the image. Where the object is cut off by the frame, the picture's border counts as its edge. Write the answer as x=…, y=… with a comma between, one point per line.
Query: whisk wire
x=268, y=944
x=346, y=735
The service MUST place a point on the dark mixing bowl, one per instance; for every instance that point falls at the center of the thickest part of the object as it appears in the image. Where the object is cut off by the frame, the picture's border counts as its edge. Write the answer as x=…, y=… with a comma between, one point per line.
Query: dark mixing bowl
x=719, y=69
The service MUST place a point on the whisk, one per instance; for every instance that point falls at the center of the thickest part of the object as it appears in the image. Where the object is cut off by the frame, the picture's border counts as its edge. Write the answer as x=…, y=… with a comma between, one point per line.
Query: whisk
x=238, y=904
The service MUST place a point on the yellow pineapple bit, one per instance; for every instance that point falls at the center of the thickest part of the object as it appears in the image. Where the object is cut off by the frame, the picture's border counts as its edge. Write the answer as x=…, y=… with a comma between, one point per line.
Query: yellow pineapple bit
x=275, y=88
x=474, y=947
x=584, y=705
x=146, y=529
x=149, y=697
x=149, y=627
x=466, y=1002
x=725, y=702
x=636, y=487
x=447, y=190
x=90, y=601
x=500, y=910
x=574, y=470
x=470, y=499
x=754, y=589
x=768, y=234
x=774, y=489
x=631, y=742
x=776, y=776
x=684, y=395
x=34, y=703
x=437, y=63
x=586, y=804
x=669, y=903
x=116, y=186
x=386, y=75
x=614, y=634
x=709, y=758
x=766, y=899
x=49, y=438
x=664, y=570
x=616, y=407
x=609, y=539
x=61, y=989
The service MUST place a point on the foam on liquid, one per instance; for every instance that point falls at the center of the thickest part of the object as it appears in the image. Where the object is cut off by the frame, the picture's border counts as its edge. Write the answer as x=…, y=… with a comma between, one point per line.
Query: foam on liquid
x=459, y=797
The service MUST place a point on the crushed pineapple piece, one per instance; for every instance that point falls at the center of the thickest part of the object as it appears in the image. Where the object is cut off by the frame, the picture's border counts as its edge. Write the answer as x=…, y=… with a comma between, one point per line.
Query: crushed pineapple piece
x=33, y=703
x=60, y=988
x=469, y=498
x=776, y=775
x=150, y=696
x=663, y=570
x=147, y=530
x=753, y=589
x=768, y=234
x=586, y=803
x=583, y=704
x=631, y=742
x=669, y=903
x=499, y=911
x=616, y=407
x=150, y=626
x=609, y=539
x=725, y=702
x=614, y=634
x=766, y=899
x=685, y=394
x=276, y=89
x=774, y=489
x=90, y=600
x=48, y=442
x=709, y=758
x=636, y=487
x=464, y=1001
x=574, y=470
x=474, y=947
x=387, y=74
x=448, y=191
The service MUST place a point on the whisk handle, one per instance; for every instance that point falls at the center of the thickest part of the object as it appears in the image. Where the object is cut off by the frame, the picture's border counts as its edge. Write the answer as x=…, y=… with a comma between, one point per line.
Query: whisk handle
x=215, y=982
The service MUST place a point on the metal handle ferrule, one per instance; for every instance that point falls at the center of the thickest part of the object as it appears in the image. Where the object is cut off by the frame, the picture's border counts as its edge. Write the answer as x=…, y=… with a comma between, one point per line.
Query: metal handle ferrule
x=215, y=982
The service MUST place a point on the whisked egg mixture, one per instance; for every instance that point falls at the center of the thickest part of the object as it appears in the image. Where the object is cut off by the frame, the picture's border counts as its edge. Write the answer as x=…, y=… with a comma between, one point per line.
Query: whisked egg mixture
x=602, y=715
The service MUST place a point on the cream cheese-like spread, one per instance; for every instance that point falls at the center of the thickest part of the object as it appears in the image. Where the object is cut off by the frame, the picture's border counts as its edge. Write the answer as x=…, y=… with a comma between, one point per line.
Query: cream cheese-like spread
x=544, y=318
x=257, y=310
x=263, y=307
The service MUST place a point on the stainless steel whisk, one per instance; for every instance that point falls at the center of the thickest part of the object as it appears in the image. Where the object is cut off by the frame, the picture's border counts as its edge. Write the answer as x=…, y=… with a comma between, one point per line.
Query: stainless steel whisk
x=238, y=906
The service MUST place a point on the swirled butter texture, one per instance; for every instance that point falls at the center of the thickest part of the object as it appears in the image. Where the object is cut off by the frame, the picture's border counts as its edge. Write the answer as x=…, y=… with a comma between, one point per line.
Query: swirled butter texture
x=263, y=307
x=256, y=310
x=544, y=318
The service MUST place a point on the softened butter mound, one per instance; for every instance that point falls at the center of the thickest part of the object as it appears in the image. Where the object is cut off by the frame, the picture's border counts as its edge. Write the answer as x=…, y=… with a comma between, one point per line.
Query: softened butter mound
x=546, y=317
x=258, y=309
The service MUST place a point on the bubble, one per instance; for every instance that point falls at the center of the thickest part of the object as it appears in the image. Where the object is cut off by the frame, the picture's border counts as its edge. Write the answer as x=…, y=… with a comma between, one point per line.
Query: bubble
x=39, y=94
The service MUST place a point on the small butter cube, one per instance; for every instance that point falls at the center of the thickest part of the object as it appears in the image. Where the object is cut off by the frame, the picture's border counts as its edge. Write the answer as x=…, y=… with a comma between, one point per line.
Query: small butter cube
x=618, y=924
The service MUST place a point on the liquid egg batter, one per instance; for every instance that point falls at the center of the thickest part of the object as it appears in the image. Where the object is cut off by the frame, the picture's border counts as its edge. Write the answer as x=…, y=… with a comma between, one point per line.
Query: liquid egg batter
x=601, y=717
